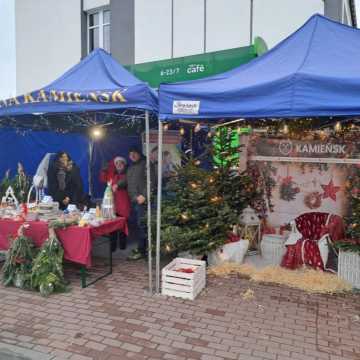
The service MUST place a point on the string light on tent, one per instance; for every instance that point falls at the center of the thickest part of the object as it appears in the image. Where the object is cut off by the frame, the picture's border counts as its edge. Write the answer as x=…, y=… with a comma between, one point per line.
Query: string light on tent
x=286, y=129
x=166, y=127
x=184, y=216
x=337, y=126
x=193, y=185
x=182, y=131
x=197, y=127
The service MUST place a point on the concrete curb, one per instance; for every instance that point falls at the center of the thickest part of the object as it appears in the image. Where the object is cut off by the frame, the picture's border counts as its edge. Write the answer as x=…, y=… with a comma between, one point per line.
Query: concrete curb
x=12, y=352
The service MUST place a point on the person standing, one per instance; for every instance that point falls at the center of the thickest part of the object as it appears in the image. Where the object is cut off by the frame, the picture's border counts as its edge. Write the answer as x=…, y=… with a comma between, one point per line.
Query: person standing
x=136, y=179
x=58, y=178
x=75, y=186
x=115, y=173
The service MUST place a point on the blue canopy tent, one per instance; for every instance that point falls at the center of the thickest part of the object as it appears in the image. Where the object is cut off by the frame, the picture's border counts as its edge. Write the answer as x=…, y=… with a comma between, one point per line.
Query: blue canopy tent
x=314, y=72
x=95, y=90
x=97, y=83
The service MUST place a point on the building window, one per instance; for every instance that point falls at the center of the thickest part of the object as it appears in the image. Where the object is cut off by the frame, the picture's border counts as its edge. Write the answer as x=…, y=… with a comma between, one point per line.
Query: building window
x=99, y=30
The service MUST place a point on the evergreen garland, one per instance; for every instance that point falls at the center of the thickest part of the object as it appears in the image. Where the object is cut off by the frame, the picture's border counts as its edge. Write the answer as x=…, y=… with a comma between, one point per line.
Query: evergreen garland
x=18, y=263
x=352, y=243
x=47, y=272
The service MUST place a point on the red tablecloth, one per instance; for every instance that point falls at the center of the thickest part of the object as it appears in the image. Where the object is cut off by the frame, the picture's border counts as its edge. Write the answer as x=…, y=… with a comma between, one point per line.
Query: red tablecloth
x=76, y=241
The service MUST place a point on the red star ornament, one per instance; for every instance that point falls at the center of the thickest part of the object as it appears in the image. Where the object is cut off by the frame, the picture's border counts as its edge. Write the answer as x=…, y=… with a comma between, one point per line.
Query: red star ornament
x=330, y=190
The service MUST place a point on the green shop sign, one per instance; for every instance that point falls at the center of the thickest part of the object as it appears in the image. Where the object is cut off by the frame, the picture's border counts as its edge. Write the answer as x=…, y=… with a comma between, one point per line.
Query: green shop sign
x=196, y=66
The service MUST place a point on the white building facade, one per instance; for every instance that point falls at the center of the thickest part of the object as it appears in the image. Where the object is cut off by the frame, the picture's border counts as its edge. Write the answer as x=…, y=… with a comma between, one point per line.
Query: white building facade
x=46, y=37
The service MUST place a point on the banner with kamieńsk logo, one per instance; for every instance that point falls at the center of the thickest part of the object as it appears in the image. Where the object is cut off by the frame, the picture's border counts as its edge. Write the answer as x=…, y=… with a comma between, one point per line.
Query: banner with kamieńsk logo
x=264, y=149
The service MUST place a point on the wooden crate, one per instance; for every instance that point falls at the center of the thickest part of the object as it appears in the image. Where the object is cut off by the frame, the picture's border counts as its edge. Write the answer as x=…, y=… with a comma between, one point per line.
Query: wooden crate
x=349, y=267
x=182, y=284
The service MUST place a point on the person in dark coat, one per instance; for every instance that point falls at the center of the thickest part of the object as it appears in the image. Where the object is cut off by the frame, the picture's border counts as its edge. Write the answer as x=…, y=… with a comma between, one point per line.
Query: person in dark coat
x=136, y=179
x=58, y=179
x=75, y=186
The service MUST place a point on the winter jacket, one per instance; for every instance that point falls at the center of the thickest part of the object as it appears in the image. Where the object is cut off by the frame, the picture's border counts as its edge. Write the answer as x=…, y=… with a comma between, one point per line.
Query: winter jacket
x=75, y=186
x=53, y=186
x=121, y=196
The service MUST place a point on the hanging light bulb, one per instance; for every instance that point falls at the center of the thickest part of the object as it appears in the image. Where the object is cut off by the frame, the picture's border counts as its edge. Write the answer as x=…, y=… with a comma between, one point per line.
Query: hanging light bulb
x=96, y=132
x=337, y=126
x=197, y=162
x=286, y=129
x=167, y=248
x=209, y=134
x=182, y=131
x=238, y=130
x=197, y=127
x=166, y=127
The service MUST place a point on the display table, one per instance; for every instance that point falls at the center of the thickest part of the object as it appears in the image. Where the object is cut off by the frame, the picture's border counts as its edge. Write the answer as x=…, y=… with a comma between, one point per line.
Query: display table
x=76, y=241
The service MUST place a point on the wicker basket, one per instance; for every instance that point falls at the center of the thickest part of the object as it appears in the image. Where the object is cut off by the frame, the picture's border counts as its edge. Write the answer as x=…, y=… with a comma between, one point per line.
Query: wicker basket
x=349, y=267
x=273, y=248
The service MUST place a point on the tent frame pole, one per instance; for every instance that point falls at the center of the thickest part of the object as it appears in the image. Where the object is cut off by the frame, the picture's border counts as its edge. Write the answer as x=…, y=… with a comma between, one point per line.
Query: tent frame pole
x=158, y=215
x=148, y=196
x=90, y=165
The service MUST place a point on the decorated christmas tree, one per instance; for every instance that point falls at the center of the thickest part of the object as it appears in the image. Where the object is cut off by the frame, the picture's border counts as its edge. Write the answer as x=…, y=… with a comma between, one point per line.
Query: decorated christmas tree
x=195, y=217
x=205, y=204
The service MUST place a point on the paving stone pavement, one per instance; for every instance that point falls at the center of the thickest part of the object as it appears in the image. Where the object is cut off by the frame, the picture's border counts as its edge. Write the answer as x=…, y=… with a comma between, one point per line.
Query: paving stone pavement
x=117, y=319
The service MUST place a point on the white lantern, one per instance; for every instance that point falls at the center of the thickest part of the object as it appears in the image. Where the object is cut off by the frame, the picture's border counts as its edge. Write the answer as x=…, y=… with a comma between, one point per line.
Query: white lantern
x=250, y=229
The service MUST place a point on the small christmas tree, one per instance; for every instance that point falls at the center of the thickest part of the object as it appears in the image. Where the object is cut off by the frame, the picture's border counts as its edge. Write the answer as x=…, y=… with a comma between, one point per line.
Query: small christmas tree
x=47, y=274
x=18, y=264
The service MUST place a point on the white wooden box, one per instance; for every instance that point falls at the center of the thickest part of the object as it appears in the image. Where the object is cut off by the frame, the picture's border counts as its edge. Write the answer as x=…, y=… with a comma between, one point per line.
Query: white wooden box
x=182, y=284
x=349, y=267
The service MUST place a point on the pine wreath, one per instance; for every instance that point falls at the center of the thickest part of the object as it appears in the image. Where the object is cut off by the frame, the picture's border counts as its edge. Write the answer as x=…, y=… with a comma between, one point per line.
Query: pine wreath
x=288, y=190
x=313, y=200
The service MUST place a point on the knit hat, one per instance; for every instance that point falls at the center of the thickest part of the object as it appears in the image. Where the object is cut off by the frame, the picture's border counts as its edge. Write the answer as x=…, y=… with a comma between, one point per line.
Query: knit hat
x=120, y=158
x=136, y=149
